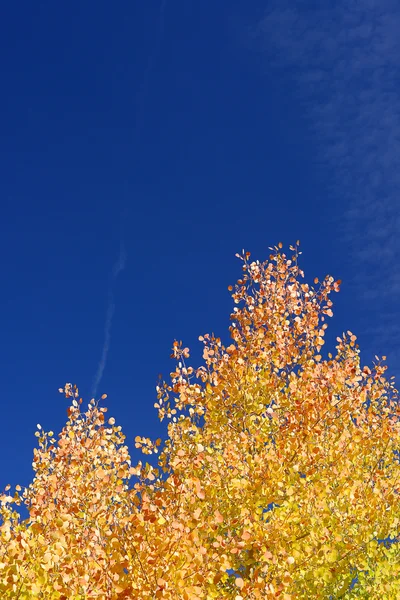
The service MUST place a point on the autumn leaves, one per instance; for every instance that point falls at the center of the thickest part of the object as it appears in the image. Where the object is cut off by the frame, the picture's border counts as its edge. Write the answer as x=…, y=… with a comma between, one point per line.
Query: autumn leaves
x=277, y=479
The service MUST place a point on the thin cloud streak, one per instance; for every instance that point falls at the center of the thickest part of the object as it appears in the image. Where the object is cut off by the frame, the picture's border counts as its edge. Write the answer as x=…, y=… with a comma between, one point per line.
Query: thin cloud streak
x=119, y=266
x=343, y=60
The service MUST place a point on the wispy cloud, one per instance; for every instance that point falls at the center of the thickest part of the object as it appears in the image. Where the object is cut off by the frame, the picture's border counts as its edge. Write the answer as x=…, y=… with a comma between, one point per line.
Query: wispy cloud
x=343, y=59
x=119, y=266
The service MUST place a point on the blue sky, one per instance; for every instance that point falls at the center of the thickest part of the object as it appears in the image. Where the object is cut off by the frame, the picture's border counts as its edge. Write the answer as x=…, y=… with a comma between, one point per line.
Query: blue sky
x=142, y=145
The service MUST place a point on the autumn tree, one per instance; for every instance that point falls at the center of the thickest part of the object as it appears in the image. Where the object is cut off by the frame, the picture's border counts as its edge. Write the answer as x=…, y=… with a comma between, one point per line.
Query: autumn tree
x=279, y=477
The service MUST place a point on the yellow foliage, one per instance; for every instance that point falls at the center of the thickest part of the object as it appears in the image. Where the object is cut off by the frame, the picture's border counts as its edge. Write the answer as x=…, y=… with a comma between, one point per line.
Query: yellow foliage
x=279, y=476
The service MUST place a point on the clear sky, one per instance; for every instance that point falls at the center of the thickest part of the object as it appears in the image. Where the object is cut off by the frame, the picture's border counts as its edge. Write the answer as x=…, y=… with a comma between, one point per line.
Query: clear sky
x=142, y=145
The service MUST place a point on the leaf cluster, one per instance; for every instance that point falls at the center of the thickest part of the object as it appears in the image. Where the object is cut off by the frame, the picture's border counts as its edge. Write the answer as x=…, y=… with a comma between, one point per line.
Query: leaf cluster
x=279, y=477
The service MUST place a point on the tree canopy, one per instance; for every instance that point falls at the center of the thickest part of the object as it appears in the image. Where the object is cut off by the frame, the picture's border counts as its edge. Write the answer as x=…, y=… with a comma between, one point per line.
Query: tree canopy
x=279, y=476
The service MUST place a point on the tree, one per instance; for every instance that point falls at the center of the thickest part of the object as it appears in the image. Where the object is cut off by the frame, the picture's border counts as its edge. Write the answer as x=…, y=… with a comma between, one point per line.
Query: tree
x=279, y=477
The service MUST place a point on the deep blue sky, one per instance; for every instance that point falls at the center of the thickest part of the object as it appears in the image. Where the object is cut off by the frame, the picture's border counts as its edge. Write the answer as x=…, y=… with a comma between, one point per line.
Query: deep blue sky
x=183, y=132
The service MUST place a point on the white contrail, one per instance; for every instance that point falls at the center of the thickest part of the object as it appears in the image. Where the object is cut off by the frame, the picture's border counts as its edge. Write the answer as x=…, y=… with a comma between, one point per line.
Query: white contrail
x=117, y=268
x=120, y=262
